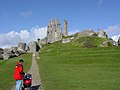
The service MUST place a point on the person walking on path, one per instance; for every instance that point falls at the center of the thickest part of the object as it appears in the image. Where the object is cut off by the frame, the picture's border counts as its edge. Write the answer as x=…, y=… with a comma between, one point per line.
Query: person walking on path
x=18, y=74
x=34, y=70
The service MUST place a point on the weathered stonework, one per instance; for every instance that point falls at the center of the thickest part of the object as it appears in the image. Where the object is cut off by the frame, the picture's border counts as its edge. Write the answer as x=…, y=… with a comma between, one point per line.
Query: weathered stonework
x=102, y=34
x=67, y=40
x=54, y=31
x=84, y=33
x=65, y=28
x=106, y=43
x=43, y=41
x=115, y=43
x=10, y=52
x=21, y=47
x=33, y=47
x=7, y=53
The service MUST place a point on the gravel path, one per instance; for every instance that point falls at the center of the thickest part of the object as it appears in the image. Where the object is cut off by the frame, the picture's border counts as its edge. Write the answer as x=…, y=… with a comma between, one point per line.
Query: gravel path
x=34, y=70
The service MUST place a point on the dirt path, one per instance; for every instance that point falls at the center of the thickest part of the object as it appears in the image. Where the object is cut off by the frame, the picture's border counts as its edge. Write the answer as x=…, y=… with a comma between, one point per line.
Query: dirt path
x=34, y=70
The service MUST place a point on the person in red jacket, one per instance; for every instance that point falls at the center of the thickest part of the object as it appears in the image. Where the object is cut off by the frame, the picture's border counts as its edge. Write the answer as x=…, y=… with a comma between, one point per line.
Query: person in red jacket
x=18, y=74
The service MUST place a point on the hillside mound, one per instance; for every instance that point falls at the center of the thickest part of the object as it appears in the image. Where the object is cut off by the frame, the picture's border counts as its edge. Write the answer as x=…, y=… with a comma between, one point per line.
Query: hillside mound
x=80, y=42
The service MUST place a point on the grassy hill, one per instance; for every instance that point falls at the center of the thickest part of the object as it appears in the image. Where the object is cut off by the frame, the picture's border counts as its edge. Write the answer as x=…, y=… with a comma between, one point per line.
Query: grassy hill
x=7, y=69
x=71, y=67
x=78, y=42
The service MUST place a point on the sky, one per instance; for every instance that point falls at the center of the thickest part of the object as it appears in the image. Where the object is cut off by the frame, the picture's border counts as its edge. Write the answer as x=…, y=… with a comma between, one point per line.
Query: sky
x=27, y=20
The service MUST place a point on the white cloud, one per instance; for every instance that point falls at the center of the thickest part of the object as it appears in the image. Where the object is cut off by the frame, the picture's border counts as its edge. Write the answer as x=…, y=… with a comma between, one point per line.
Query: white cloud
x=13, y=38
x=39, y=32
x=115, y=38
x=73, y=32
x=26, y=14
x=113, y=32
x=24, y=34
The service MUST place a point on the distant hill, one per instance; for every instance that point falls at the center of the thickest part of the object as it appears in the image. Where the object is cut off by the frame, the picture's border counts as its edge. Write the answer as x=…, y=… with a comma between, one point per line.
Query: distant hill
x=79, y=42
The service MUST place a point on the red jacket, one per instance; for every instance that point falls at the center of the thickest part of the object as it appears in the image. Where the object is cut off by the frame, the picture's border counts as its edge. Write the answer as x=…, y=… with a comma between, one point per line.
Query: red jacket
x=18, y=72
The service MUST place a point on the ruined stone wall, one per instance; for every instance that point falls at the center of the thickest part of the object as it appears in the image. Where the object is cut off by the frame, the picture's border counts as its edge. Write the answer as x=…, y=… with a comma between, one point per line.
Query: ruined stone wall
x=65, y=28
x=54, y=31
x=22, y=47
x=102, y=34
x=84, y=33
x=33, y=47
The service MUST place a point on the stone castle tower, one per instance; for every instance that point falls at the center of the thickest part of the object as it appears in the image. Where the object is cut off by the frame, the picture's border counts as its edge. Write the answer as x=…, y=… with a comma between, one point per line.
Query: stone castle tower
x=54, y=31
x=65, y=28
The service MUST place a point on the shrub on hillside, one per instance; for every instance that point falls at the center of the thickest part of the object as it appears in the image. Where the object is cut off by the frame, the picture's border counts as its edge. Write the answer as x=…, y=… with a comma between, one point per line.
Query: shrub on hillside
x=110, y=44
x=88, y=44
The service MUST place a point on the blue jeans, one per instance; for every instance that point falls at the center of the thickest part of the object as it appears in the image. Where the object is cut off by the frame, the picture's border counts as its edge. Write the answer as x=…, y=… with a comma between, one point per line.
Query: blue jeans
x=18, y=84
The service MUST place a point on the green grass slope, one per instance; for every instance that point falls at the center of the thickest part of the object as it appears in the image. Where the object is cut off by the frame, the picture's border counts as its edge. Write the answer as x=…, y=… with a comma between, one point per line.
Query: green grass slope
x=88, y=41
x=7, y=69
x=67, y=67
x=78, y=42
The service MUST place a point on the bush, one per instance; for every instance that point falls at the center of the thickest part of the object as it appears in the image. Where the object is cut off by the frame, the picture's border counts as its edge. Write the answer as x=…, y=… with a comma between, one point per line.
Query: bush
x=88, y=44
x=110, y=44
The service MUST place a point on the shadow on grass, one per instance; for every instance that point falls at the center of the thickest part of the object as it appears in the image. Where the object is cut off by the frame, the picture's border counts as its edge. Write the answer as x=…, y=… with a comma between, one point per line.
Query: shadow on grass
x=36, y=87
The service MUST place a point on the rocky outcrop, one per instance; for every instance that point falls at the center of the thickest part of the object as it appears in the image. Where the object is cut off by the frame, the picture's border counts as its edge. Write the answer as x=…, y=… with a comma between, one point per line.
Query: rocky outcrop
x=7, y=53
x=33, y=47
x=107, y=43
x=22, y=47
x=15, y=51
x=115, y=43
x=102, y=34
x=10, y=52
x=67, y=40
x=90, y=32
x=43, y=41
x=84, y=33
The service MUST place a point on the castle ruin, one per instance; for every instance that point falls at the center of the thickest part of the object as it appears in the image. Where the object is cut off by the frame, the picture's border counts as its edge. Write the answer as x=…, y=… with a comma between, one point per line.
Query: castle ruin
x=65, y=28
x=54, y=31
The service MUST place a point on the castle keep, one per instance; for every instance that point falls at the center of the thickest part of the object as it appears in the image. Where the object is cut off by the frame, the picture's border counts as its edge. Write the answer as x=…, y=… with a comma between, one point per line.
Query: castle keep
x=54, y=31
x=65, y=28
